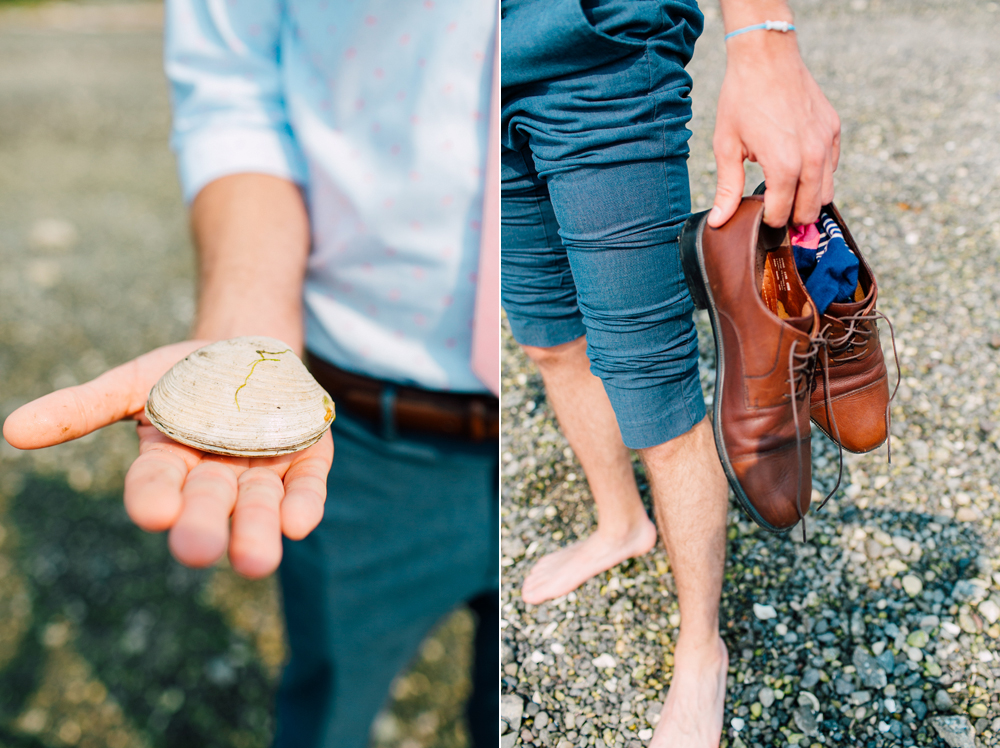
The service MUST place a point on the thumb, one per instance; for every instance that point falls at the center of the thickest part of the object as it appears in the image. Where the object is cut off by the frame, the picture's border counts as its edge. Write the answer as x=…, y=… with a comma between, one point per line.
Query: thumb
x=729, y=179
x=76, y=411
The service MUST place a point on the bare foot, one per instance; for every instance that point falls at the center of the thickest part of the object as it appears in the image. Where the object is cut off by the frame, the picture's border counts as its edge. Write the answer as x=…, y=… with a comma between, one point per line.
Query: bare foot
x=559, y=573
x=692, y=714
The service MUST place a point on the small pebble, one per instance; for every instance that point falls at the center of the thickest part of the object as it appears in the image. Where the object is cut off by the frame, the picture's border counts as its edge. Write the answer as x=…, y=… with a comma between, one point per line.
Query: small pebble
x=955, y=730
x=810, y=678
x=764, y=612
x=805, y=720
x=912, y=585
x=871, y=673
x=942, y=700
x=989, y=610
x=604, y=661
x=808, y=700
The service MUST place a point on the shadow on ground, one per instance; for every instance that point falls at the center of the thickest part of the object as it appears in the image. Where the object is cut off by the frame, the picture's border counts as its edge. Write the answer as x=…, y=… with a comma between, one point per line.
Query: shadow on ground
x=828, y=624
x=105, y=640
x=111, y=594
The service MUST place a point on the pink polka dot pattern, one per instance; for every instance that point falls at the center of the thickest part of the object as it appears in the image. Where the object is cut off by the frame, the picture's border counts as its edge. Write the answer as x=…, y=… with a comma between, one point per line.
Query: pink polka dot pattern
x=378, y=108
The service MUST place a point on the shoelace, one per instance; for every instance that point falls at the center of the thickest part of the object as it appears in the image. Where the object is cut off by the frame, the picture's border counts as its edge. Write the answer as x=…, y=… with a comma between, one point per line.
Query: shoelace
x=857, y=336
x=803, y=373
x=828, y=406
x=854, y=336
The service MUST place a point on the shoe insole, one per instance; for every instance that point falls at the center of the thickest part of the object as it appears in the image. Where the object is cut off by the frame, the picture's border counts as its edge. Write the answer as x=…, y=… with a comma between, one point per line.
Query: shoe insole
x=781, y=288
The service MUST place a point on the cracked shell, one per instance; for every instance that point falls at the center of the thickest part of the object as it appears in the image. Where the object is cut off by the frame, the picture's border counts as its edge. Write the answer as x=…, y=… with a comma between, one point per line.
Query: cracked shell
x=245, y=397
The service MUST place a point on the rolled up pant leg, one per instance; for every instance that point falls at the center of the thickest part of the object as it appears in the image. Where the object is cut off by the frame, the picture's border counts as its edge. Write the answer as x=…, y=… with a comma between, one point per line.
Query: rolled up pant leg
x=619, y=224
x=603, y=124
x=537, y=289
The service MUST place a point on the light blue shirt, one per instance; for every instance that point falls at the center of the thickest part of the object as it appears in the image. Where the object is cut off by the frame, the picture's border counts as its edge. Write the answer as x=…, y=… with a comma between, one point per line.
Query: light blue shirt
x=378, y=108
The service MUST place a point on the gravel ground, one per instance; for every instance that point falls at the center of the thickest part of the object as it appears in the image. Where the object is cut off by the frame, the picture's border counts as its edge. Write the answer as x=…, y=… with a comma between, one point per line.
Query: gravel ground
x=105, y=641
x=882, y=628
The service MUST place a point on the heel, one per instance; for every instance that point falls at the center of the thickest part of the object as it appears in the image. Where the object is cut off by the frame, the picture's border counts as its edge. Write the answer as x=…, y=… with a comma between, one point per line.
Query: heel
x=689, y=259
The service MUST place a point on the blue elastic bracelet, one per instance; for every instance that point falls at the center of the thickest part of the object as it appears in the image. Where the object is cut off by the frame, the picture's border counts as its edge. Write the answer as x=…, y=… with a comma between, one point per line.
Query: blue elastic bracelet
x=782, y=26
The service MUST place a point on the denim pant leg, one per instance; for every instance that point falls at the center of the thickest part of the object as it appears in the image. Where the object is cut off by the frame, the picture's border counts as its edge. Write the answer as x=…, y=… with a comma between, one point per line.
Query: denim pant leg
x=597, y=93
x=620, y=224
x=536, y=284
x=408, y=534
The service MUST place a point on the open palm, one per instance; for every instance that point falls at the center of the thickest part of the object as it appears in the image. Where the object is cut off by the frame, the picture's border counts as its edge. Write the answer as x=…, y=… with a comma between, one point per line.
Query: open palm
x=191, y=493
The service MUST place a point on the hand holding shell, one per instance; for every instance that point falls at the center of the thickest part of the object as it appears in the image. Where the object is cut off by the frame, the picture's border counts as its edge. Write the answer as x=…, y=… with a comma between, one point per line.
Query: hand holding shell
x=193, y=494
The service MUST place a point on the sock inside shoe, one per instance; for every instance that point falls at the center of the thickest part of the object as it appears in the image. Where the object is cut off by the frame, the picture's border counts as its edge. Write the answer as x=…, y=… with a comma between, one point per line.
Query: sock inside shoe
x=780, y=286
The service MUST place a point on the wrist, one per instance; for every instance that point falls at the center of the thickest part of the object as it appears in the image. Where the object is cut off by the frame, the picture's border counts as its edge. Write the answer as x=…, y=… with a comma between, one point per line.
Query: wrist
x=761, y=47
x=285, y=325
x=738, y=14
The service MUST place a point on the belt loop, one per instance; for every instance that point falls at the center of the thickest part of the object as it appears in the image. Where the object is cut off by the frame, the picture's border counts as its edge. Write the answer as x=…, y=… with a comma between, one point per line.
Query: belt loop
x=388, y=403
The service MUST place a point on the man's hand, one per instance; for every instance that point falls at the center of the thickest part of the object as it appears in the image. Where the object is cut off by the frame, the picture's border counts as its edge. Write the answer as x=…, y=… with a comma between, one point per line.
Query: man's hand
x=189, y=492
x=772, y=111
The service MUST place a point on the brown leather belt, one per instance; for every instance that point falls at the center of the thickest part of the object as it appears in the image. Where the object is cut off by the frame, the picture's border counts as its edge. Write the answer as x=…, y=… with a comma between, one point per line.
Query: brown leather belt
x=397, y=408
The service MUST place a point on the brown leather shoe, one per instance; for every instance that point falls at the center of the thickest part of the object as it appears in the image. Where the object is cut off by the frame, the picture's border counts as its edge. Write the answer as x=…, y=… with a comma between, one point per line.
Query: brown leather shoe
x=858, y=383
x=764, y=322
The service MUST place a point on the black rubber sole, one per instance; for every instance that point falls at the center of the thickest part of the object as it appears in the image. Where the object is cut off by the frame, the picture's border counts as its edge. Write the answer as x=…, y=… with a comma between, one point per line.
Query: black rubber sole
x=693, y=263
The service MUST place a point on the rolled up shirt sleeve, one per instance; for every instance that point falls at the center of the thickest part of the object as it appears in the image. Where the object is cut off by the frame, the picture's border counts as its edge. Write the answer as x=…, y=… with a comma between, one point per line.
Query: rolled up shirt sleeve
x=223, y=62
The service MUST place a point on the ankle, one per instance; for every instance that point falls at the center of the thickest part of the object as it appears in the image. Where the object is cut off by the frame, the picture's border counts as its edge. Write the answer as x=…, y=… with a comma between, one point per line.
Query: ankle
x=624, y=528
x=706, y=642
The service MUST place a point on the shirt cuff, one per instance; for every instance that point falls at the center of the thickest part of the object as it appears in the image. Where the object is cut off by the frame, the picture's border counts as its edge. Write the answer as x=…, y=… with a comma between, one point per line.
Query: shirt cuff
x=219, y=151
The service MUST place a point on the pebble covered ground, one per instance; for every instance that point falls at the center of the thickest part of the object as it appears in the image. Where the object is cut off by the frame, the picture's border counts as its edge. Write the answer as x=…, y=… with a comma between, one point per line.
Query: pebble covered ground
x=883, y=628
x=105, y=641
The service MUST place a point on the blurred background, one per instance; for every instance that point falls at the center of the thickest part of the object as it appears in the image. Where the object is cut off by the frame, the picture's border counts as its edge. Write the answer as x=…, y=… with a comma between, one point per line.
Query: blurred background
x=104, y=639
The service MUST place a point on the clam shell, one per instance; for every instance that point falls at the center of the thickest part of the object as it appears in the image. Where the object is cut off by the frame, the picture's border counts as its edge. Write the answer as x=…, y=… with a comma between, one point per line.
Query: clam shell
x=245, y=397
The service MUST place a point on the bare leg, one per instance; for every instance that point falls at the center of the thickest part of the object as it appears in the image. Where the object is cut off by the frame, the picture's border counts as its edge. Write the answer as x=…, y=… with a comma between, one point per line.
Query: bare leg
x=588, y=423
x=691, y=498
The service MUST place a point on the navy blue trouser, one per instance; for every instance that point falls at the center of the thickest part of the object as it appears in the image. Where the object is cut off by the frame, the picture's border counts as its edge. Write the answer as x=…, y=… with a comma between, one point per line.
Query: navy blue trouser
x=408, y=534
x=594, y=194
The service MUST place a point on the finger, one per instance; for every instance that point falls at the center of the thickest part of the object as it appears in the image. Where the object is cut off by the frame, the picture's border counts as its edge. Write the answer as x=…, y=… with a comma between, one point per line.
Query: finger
x=76, y=411
x=201, y=533
x=827, y=190
x=305, y=490
x=809, y=192
x=781, y=179
x=729, y=177
x=255, y=548
x=836, y=145
x=836, y=139
x=153, y=483
x=153, y=490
